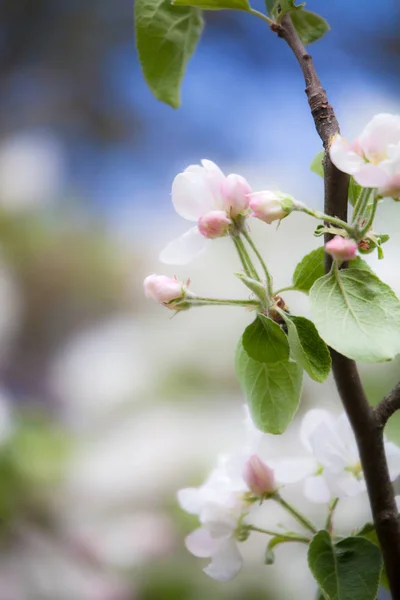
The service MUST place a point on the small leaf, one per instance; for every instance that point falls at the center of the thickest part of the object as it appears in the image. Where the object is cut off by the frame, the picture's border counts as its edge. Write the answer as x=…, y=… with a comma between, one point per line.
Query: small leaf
x=269, y=557
x=166, y=37
x=269, y=5
x=307, y=348
x=348, y=570
x=357, y=314
x=282, y=7
x=309, y=269
x=272, y=391
x=215, y=4
x=310, y=26
x=316, y=165
x=265, y=341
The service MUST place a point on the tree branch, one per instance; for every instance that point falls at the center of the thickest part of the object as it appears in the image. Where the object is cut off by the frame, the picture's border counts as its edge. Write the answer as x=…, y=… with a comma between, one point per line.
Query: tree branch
x=388, y=406
x=364, y=421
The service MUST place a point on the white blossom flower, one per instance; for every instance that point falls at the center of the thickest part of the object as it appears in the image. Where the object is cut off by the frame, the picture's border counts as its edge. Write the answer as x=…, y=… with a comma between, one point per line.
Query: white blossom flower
x=374, y=158
x=332, y=468
x=220, y=504
x=203, y=193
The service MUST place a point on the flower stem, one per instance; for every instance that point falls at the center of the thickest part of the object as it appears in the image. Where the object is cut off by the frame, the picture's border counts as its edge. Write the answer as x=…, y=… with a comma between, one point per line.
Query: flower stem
x=261, y=15
x=245, y=258
x=370, y=220
x=360, y=205
x=323, y=217
x=200, y=301
x=329, y=520
x=295, y=513
x=288, y=288
x=268, y=277
x=289, y=537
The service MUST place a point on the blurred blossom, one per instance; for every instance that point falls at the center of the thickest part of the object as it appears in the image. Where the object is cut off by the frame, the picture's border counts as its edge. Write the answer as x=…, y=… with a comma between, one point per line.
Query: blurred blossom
x=31, y=171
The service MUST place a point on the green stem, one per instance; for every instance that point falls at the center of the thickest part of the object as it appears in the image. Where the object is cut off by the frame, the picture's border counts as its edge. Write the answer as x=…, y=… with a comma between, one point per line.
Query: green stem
x=268, y=277
x=261, y=15
x=295, y=513
x=360, y=204
x=245, y=258
x=323, y=217
x=289, y=537
x=329, y=520
x=200, y=301
x=371, y=218
x=288, y=288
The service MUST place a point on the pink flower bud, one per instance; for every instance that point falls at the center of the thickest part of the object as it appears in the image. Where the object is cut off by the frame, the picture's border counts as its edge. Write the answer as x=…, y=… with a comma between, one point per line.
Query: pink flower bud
x=341, y=248
x=235, y=190
x=214, y=224
x=270, y=206
x=258, y=476
x=164, y=290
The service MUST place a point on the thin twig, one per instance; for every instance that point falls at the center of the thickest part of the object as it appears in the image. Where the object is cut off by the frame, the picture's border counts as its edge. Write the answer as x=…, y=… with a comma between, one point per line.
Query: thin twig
x=388, y=406
x=367, y=430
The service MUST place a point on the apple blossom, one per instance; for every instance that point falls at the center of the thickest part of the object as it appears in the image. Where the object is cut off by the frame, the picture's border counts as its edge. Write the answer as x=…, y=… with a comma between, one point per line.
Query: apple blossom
x=214, y=224
x=165, y=290
x=270, y=206
x=341, y=248
x=196, y=193
x=332, y=468
x=374, y=158
x=258, y=476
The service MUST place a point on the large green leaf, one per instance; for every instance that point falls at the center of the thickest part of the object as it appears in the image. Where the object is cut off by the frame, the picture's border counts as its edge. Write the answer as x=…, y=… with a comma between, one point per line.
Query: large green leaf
x=369, y=532
x=310, y=26
x=309, y=269
x=348, y=570
x=307, y=348
x=166, y=37
x=265, y=341
x=272, y=390
x=215, y=4
x=357, y=314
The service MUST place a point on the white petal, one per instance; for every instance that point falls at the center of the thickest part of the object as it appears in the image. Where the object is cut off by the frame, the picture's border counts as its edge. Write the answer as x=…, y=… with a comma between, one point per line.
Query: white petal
x=311, y=420
x=316, y=489
x=191, y=195
x=382, y=130
x=219, y=519
x=226, y=562
x=184, y=249
x=329, y=449
x=345, y=485
x=372, y=176
x=200, y=543
x=191, y=500
x=292, y=470
x=343, y=157
x=393, y=459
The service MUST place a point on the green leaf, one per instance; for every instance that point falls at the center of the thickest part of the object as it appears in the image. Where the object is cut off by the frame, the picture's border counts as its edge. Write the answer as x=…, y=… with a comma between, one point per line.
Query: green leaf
x=307, y=348
x=265, y=341
x=354, y=191
x=348, y=570
x=215, y=4
x=272, y=391
x=269, y=557
x=269, y=5
x=166, y=37
x=309, y=269
x=282, y=7
x=310, y=26
x=316, y=165
x=357, y=314
x=369, y=532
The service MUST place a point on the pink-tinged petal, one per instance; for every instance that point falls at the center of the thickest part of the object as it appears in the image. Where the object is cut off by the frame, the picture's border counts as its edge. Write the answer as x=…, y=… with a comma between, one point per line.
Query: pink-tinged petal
x=316, y=490
x=200, y=543
x=226, y=562
x=191, y=195
x=215, y=179
x=185, y=248
x=371, y=176
x=214, y=224
x=382, y=130
x=343, y=157
x=311, y=420
x=393, y=459
x=191, y=500
x=293, y=470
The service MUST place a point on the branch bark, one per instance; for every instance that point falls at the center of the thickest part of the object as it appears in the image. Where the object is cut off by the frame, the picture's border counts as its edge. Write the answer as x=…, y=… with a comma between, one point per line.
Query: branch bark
x=366, y=423
x=388, y=406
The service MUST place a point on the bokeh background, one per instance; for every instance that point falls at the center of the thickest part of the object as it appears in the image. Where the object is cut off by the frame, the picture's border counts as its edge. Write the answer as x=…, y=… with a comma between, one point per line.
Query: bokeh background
x=108, y=405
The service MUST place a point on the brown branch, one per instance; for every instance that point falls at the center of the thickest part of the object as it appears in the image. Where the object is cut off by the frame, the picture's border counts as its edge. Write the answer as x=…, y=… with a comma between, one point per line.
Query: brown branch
x=364, y=421
x=388, y=406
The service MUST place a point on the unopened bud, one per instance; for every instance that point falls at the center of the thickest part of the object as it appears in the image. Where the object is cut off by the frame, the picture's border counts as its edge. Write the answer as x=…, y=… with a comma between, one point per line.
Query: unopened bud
x=235, y=191
x=258, y=476
x=165, y=290
x=341, y=248
x=214, y=224
x=271, y=206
